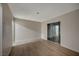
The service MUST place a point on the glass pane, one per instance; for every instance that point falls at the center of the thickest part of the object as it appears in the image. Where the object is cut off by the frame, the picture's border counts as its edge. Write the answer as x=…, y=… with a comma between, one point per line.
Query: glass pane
x=57, y=30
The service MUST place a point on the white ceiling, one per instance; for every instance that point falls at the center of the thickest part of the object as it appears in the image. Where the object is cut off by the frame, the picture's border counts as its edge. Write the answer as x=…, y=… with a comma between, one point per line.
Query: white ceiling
x=41, y=11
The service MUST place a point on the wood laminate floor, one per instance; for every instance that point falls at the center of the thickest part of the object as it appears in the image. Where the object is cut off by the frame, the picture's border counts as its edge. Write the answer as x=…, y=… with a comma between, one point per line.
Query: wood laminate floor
x=42, y=48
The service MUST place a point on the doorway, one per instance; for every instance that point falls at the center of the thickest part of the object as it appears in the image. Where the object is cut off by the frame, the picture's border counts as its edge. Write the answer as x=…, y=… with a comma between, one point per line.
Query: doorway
x=54, y=32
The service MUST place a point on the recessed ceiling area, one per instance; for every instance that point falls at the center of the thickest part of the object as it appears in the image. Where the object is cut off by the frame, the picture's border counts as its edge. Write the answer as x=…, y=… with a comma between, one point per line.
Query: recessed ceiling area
x=41, y=11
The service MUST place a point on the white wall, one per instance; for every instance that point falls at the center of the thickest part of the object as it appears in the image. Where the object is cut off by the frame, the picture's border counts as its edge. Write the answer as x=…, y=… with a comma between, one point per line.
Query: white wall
x=7, y=29
x=69, y=30
x=0, y=30
x=26, y=31
x=44, y=30
x=13, y=30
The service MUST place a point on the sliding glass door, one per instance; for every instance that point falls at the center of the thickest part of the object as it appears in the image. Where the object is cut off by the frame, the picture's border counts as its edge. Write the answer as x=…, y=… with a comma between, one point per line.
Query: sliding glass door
x=54, y=32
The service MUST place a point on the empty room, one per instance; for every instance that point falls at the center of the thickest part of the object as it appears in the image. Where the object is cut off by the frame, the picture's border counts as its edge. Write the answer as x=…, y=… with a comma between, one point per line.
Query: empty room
x=39, y=29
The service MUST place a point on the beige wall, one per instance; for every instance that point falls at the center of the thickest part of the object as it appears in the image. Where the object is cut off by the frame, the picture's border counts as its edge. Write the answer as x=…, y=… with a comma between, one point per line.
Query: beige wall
x=0, y=30
x=7, y=29
x=69, y=29
x=26, y=31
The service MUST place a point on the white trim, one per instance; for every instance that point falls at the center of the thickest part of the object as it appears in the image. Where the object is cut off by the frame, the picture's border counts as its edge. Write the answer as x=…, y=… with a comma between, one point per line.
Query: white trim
x=25, y=42
x=76, y=50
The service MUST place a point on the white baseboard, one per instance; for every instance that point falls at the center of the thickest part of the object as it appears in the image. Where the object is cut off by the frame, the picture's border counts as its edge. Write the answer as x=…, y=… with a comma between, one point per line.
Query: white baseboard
x=24, y=42
x=76, y=50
